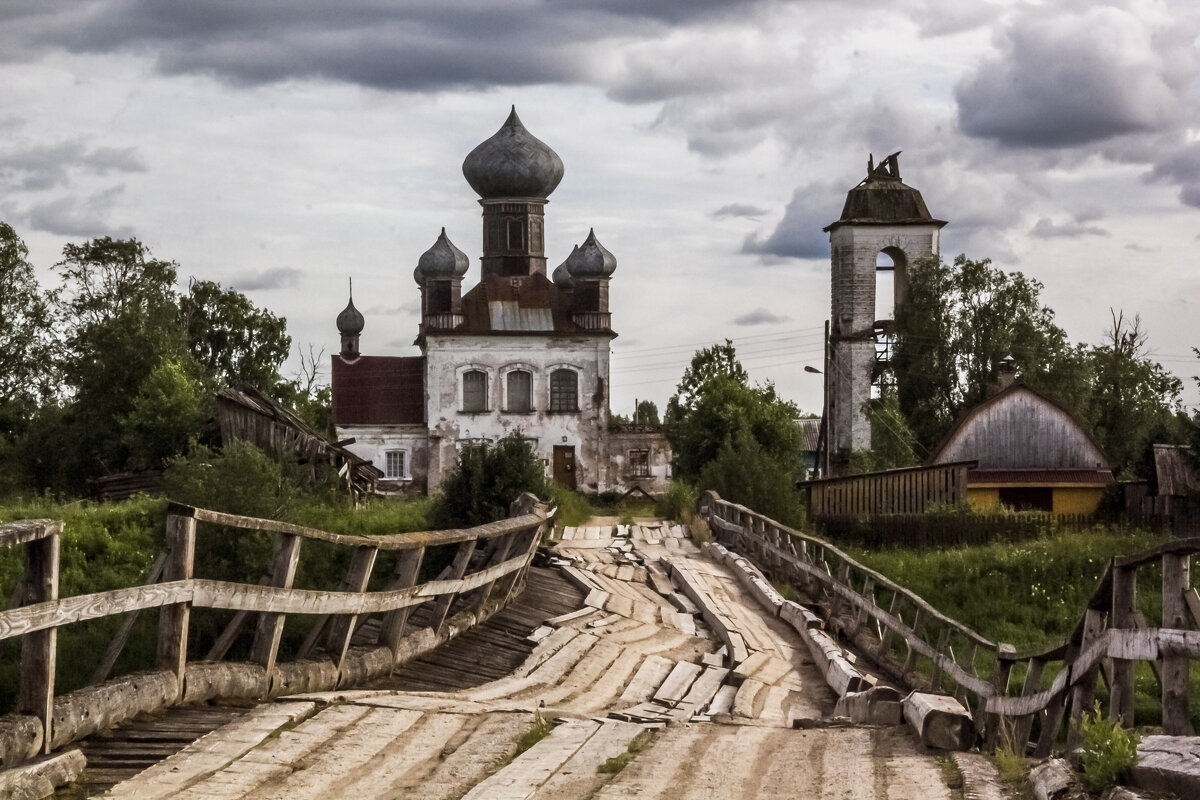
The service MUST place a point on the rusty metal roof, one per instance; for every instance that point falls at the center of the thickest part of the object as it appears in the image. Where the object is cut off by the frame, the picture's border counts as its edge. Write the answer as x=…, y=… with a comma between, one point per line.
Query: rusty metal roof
x=810, y=434
x=1039, y=477
x=379, y=390
x=521, y=304
x=883, y=199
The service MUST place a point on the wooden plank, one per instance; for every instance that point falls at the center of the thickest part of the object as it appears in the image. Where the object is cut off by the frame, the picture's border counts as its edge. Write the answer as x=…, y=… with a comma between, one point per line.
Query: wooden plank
x=939, y=721
x=39, y=650
x=404, y=577
x=270, y=625
x=400, y=541
x=341, y=628
x=113, y=651
x=649, y=676
x=1176, y=582
x=173, y=620
x=722, y=702
x=458, y=568
x=57, y=613
x=28, y=530
x=678, y=681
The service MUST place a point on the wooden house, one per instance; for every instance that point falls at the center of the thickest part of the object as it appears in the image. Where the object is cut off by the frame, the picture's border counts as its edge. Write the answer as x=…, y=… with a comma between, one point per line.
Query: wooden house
x=1031, y=453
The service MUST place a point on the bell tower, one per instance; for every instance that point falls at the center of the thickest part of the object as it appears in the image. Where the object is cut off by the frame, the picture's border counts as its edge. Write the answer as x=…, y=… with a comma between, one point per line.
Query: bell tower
x=881, y=216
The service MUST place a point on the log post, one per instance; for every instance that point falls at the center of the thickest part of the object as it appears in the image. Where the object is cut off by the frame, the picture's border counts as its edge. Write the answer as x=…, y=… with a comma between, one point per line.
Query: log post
x=408, y=566
x=1176, y=581
x=39, y=650
x=270, y=624
x=1124, y=600
x=441, y=608
x=1084, y=693
x=499, y=553
x=341, y=628
x=173, y=620
x=1001, y=672
x=1023, y=727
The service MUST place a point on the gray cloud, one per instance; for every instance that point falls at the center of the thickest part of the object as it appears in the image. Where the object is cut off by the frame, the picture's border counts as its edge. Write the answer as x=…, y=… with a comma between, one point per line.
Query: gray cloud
x=75, y=217
x=1068, y=79
x=46, y=166
x=739, y=210
x=1182, y=167
x=420, y=44
x=1045, y=228
x=273, y=278
x=799, y=234
x=759, y=316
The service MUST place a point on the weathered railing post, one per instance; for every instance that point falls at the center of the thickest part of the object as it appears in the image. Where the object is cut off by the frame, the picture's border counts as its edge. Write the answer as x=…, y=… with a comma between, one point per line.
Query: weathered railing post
x=341, y=628
x=1176, y=581
x=39, y=649
x=458, y=568
x=1084, y=693
x=408, y=566
x=1124, y=599
x=270, y=624
x=173, y=620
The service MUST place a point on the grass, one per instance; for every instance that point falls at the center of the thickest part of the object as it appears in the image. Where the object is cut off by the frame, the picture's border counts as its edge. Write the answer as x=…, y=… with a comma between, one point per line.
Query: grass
x=539, y=729
x=1032, y=593
x=614, y=765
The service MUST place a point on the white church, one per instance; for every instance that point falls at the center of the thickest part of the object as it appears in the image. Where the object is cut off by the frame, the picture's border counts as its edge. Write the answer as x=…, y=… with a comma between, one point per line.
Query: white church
x=519, y=351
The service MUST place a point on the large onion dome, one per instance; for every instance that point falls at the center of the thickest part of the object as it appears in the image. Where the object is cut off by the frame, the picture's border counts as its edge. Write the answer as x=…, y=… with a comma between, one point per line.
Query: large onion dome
x=513, y=163
x=350, y=322
x=443, y=261
x=591, y=259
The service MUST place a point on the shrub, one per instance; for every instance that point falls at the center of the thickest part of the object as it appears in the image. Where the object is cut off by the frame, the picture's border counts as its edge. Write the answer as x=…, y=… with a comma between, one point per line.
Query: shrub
x=679, y=502
x=744, y=472
x=487, y=479
x=1109, y=750
x=573, y=508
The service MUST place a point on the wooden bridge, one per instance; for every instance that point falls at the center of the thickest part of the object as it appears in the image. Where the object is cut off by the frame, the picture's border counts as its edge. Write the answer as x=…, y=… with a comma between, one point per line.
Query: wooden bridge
x=662, y=669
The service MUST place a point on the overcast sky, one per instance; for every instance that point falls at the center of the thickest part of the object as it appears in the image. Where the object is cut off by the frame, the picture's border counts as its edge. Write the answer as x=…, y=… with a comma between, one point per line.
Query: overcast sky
x=282, y=147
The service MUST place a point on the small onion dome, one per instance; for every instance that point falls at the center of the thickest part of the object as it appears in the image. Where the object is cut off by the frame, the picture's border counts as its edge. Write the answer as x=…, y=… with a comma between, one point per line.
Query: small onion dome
x=591, y=260
x=513, y=163
x=442, y=261
x=350, y=322
x=562, y=275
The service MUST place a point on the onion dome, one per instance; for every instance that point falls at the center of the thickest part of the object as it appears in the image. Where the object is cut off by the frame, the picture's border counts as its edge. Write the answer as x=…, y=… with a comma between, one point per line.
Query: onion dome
x=443, y=261
x=591, y=259
x=350, y=322
x=562, y=275
x=513, y=163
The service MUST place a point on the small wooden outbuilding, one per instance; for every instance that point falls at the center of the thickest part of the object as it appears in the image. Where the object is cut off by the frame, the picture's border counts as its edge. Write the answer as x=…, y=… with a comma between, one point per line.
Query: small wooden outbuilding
x=1031, y=452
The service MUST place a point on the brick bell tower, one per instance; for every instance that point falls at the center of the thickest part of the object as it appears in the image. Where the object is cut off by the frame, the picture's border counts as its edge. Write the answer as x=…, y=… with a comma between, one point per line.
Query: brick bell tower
x=881, y=215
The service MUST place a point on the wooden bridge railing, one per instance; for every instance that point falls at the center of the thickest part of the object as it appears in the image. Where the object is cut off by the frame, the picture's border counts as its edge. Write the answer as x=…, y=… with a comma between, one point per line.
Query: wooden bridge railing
x=923, y=648
x=487, y=570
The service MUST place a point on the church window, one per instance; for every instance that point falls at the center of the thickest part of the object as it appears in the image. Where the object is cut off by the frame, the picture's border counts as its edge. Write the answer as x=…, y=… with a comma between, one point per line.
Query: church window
x=639, y=463
x=564, y=390
x=474, y=391
x=519, y=385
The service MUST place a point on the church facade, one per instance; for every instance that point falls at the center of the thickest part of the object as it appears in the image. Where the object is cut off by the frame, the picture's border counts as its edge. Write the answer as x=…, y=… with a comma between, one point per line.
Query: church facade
x=521, y=351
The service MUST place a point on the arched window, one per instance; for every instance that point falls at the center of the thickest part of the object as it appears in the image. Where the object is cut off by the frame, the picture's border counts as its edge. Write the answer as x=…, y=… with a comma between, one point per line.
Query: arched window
x=519, y=390
x=564, y=390
x=474, y=391
x=891, y=279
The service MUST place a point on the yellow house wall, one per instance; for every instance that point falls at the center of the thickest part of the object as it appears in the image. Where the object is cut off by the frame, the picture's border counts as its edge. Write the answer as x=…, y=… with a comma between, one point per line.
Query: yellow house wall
x=983, y=498
x=1067, y=499
x=1077, y=500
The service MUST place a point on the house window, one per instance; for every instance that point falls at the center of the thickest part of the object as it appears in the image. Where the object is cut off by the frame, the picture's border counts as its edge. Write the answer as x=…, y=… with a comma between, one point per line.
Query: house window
x=394, y=463
x=519, y=384
x=564, y=390
x=639, y=463
x=474, y=391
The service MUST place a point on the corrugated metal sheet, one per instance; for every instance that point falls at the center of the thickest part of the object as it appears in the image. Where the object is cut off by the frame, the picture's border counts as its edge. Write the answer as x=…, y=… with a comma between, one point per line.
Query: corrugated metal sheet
x=1174, y=470
x=810, y=434
x=507, y=315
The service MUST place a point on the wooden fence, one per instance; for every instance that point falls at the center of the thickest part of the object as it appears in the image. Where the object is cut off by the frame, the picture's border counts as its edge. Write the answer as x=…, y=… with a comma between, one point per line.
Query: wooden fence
x=910, y=490
x=921, y=531
x=923, y=648
x=488, y=569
